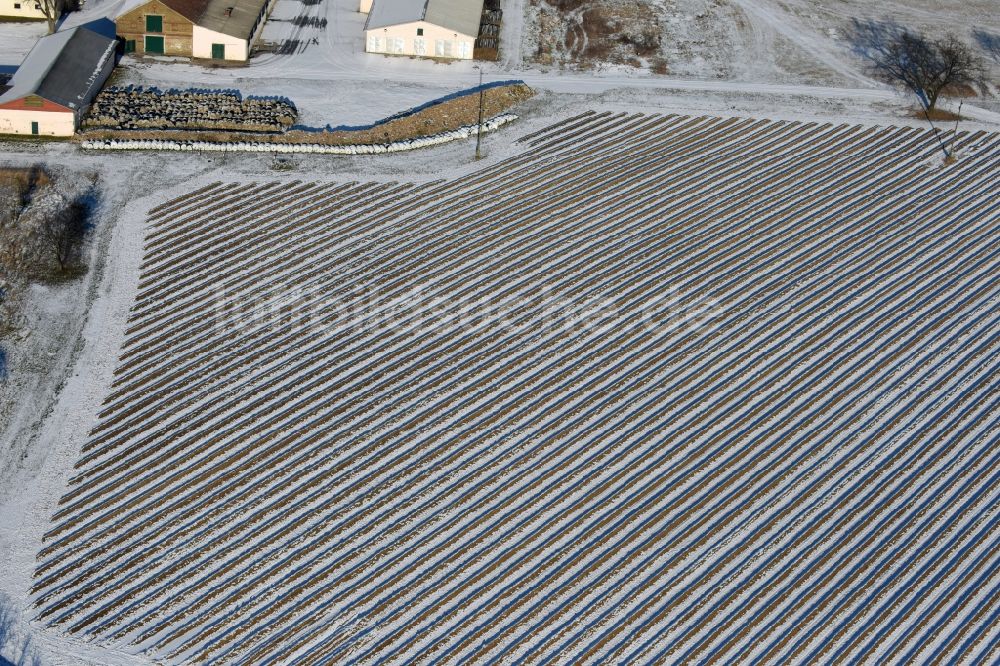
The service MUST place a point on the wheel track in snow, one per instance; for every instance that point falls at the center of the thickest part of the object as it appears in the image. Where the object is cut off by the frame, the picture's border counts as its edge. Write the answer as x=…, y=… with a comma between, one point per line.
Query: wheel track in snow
x=184, y=487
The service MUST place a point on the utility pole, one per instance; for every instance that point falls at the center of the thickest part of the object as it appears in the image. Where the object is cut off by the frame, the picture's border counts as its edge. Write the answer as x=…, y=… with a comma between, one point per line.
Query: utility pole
x=937, y=135
x=479, y=126
x=954, y=132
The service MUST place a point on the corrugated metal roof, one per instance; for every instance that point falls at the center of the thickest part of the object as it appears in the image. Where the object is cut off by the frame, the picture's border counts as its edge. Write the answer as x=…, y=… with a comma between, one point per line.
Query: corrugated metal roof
x=64, y=67
x=461, y=16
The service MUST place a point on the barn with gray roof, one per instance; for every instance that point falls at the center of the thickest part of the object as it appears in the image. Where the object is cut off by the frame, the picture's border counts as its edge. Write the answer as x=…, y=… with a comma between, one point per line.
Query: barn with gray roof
x=55, y=85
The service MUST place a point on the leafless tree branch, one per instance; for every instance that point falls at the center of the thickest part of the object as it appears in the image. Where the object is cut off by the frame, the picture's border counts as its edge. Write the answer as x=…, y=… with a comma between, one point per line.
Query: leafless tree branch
x=926, y=67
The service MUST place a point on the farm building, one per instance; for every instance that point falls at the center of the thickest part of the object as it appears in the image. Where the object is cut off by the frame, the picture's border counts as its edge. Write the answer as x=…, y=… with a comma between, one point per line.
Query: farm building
x=26, y=10
x=431, y=28
x=58, y=80
x=216, y=29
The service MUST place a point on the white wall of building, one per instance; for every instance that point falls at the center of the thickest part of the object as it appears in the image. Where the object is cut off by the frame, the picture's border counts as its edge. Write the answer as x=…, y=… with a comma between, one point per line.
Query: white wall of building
x=21, y=9
x=365, y=6
x=50, y=123
x=203, y=38
x=435, y=42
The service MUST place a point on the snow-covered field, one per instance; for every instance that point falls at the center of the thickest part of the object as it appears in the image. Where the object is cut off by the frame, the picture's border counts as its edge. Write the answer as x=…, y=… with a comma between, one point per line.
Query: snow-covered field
x=653, y=386
x=727, y=387
x=790, y=42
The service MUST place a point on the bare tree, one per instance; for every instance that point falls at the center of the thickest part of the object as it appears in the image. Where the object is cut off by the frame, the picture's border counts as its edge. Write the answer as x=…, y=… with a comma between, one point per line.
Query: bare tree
x=902, y=57
x=17, y=187
x=52, y=10
x=8, y=323
x=10, y=205
x=64, y=232
x=989, y=42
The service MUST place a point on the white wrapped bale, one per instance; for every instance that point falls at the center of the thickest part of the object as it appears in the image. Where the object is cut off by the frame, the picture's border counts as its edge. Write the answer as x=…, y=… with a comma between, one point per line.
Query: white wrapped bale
x=264, y=147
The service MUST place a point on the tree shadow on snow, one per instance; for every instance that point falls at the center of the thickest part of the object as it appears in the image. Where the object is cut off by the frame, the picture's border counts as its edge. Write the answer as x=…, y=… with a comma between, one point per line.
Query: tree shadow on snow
x=989, y=42
x=15, y=649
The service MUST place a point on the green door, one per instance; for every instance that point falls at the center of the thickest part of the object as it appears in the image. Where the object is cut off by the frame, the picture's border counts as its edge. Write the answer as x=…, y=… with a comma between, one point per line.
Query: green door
x=219, y=51
x=154, y=44
x=34, y=127
x=129, y=46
